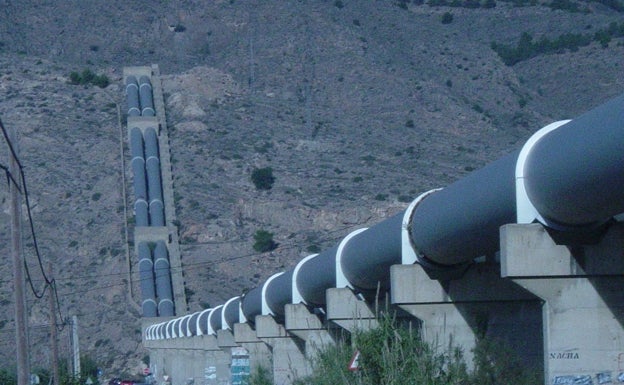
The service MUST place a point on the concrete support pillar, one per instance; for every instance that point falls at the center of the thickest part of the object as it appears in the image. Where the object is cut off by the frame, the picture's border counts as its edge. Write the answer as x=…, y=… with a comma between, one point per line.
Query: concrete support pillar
x=181, y=361
x=216, y=369
x=260, y=355
x=583, y=293
x=289, y=361
x=225, y=339
x=457, y=312
x=307, y=327
x=349, y=311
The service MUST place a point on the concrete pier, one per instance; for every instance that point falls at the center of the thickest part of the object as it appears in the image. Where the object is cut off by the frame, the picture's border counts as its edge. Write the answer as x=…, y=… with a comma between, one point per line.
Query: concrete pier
x=181, y=361
x=259, y=352
x=289, y=361
x=308, y=328
x=479, y=304
x=583, y=292
x=349, y=311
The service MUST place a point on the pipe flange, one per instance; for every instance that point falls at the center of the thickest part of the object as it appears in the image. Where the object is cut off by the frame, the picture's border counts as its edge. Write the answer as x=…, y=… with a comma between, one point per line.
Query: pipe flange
x=525, y=210
x=409, y=252
x=341, y=279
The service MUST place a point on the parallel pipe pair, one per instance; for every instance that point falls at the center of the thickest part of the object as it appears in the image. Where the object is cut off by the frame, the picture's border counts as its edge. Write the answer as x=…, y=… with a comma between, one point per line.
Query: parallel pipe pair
x=150, y=187
x=139, y=96
x=155, y=279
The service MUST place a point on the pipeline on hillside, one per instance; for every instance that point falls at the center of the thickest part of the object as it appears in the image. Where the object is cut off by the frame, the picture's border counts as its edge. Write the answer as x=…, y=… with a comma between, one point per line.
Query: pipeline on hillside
x=569, y=176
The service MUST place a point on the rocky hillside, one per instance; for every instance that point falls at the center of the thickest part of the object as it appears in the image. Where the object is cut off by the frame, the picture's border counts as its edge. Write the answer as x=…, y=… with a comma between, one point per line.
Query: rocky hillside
x=356, y=106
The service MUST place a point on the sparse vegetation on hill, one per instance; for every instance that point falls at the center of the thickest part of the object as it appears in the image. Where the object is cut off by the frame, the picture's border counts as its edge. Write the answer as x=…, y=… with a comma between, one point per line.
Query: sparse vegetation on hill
x=527, y=47
x=88, y=77
x=357, y=106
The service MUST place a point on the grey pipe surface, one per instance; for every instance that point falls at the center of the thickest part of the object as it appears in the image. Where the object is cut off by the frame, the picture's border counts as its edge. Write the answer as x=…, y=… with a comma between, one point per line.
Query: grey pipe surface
x=279, y=292
x=146, y=276
x=163, y=280
x=317, y=275
x=156, y=213
x=231, y=313
x=132, y=96
x=251, y=304
x=154, y=192
x=138, y=174
x=154, y=187
x=215, y=318
x=154, y=182
x=461, y=222
x=151, y=143
x=574, y=174
x=368, y=255
x=139, y=178
x=141, y=212
x=136, y=143
x=192, y=324
x=202, y=321
x=145, y=94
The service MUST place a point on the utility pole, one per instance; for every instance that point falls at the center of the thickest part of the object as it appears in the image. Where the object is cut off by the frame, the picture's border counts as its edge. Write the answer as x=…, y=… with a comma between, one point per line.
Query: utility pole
x=75, y=346
x=21, y=323
x=54, y=339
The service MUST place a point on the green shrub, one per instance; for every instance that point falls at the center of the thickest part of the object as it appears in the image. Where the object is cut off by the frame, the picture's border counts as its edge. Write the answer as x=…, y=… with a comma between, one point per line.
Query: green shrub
x=261, y=376
x=263, y=241
x=381, y=197
x=87, y=77
x=263, y=178
x=74, y=78
x=395, y=353
x=527, y=47
x=8, y=377
x=313, y=249
x=101, y=81
x=564, y=5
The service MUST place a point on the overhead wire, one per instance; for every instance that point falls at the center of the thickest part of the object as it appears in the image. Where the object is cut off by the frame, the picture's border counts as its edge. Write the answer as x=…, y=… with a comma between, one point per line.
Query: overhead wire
x=48, y=282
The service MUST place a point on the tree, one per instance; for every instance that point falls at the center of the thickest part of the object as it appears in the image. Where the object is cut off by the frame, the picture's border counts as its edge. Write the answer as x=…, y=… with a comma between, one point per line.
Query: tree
x=264, y=241
x=263, y=178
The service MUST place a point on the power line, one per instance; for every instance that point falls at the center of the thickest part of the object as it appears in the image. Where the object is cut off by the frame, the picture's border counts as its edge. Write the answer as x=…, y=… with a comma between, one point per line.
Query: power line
x=184, y=266
x=10, y=176
x=48, y=282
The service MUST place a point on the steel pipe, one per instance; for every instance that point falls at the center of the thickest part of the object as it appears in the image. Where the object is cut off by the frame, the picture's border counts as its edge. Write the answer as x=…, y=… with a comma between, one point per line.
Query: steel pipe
x=214, y=319
x=231, y=313
x=132, y=96
x=367, y=256
x=573, y=174
x=163, y=280
x=278, y=293
x=145, y=94
x=146, y=276
x=317, y=275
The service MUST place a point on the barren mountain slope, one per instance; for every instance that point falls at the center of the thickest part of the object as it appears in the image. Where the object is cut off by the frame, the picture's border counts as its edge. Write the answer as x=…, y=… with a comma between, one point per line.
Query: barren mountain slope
x=357, y=106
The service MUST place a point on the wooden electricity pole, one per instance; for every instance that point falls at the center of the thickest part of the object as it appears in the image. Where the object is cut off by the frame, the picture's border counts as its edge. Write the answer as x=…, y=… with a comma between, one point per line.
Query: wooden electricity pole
x=21, y=326
x=54, y=339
